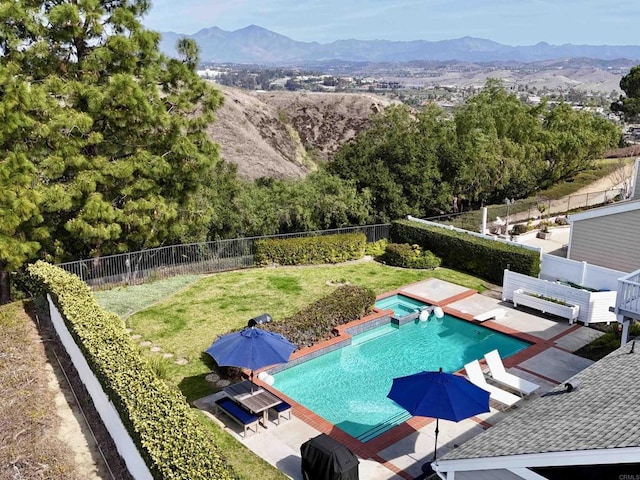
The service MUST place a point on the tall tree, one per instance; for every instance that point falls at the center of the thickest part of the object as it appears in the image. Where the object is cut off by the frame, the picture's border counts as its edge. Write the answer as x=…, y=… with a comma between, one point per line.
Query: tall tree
x=127, y=150
x=629, y=105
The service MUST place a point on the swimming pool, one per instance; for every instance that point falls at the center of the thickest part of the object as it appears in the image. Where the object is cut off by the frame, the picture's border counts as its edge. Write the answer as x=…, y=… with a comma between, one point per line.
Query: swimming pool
x=348, y=387
x=400, y=304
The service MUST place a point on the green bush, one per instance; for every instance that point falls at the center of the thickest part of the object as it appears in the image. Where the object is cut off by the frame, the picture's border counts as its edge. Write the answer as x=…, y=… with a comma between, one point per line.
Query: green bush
x=310, y=250
x=318, y=321
x=166, y=432
x=481, y=257
x=409, y=256
x=519, y=229
x=376, y=249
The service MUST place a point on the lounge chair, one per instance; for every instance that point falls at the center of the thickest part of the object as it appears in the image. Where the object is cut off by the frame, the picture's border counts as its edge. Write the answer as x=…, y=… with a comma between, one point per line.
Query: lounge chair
x=501, y=376
x=475, y=375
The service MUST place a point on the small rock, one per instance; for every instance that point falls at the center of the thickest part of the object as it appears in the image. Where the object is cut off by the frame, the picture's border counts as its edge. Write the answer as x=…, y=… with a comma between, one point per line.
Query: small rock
x=137, y=336
x=212, y=377
x=182, y=361
x=223, y=383
x=145, y=344
x=167, y=355
x=156, y=349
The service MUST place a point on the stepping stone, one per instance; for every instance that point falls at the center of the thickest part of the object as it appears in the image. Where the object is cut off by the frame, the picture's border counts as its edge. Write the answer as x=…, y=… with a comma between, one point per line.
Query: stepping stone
x=167, y=355
x=212, y=377
x=182, y=361
x=137, y=336
x=146, y=344
x=156, y=349
x=128, y=330
x=223, y=383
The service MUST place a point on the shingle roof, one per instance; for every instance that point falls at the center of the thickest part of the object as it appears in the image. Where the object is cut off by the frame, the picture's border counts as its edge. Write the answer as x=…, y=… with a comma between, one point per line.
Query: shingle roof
x=601, y=413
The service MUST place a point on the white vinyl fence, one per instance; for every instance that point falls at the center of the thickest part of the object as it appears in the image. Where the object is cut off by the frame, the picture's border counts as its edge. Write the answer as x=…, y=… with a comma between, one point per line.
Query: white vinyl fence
x=555, y=268
x=594, y=306
x=109, y=415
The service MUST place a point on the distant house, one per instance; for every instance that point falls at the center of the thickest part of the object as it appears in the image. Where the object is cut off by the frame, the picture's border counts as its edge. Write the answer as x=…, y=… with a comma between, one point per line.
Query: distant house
x=609, y=236
x=590, y=430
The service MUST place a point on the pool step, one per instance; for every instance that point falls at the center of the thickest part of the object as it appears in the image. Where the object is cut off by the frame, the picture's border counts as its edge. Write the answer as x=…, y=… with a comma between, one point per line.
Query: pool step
x=388, y=424
x=373, y=334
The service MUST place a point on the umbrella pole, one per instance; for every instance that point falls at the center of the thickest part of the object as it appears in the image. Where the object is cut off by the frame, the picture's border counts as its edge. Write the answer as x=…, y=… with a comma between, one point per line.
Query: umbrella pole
x=435, y=449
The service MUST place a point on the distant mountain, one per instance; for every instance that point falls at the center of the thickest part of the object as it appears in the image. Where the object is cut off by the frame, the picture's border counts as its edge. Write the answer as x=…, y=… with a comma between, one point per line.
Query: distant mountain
x=257, y=45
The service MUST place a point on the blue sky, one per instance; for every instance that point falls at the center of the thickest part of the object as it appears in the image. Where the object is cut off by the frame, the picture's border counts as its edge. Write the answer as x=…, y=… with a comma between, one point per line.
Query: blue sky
x=512, y=22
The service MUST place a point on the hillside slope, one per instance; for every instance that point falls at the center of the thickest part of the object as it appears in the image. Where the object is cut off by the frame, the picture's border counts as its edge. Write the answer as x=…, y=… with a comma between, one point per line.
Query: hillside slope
x=285, y=134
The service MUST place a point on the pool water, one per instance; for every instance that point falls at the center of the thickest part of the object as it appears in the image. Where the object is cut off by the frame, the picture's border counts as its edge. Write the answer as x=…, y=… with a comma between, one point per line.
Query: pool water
x=400, y=304
x=348, y=387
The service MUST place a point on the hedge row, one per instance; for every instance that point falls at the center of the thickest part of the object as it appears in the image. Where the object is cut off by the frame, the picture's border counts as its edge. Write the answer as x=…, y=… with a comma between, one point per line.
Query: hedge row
x=409, y=256
x=482, y=257
x=169, y=437
x=318, y=321
x=310, y=250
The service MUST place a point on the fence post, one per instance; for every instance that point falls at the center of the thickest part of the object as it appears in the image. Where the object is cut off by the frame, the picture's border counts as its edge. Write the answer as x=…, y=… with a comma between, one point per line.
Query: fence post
x=587, y=201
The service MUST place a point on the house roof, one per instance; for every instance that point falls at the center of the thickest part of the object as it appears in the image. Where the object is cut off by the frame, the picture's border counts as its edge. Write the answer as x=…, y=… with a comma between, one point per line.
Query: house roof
x=600, y=414
x=620, y=207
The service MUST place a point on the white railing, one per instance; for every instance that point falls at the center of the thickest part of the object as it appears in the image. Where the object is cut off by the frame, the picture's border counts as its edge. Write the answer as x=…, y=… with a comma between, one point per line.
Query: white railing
x=628, y=302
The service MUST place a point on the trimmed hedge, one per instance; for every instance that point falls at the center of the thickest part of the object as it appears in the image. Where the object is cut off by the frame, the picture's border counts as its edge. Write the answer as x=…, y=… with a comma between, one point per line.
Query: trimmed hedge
x=168, y=435
x=409, y=256
x=318, y=321
x=481, y=257
x=310, y=250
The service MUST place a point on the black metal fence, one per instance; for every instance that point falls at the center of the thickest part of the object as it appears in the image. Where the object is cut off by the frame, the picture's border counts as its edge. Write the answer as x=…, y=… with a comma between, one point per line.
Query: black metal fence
x=185, y=259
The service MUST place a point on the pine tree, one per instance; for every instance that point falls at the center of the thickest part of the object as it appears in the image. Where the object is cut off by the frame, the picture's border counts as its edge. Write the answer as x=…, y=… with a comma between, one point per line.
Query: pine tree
x=121, y=151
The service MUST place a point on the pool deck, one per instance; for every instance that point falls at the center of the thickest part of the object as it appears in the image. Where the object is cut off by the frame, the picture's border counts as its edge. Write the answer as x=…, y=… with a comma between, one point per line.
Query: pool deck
x=400, y=452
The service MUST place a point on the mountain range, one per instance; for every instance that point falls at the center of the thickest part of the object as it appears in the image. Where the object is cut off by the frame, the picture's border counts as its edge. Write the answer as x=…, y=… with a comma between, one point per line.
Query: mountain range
x=257, y=45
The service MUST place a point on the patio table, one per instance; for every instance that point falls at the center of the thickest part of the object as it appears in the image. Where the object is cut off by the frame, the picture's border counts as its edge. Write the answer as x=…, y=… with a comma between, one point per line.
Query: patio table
x=253, y=398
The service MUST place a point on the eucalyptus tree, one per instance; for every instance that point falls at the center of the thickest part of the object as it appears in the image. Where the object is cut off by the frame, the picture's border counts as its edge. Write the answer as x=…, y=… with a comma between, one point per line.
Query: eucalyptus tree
x=114, y=144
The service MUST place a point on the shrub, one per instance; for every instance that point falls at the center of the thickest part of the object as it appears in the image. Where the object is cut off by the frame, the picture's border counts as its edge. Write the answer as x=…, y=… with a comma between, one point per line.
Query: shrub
x=310, y=250
x=519, y=229
x=166, y=432
x=561, y=221
x=376, y=249
x=318, y=321
x=479, y=256
x=409, y=256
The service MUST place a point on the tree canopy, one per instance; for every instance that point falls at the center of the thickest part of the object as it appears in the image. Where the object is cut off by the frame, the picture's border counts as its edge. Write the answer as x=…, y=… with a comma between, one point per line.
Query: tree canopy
x=493, y=146
x=629, y=104
x=108, y=135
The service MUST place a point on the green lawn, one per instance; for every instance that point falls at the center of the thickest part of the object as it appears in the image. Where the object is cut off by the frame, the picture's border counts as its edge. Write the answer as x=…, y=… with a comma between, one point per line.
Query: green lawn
x=187, y=322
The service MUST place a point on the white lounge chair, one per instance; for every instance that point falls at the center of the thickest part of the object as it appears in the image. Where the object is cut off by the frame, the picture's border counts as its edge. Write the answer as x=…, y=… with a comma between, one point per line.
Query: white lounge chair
x=474, y=372
x=496, y=313
x=501, y=376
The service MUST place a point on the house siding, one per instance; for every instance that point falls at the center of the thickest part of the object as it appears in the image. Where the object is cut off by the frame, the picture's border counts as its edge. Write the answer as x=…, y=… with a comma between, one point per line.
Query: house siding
x=611, y=241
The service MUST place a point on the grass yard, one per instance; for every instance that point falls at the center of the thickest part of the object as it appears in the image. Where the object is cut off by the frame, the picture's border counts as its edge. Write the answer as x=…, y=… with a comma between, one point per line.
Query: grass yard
x=187, y=322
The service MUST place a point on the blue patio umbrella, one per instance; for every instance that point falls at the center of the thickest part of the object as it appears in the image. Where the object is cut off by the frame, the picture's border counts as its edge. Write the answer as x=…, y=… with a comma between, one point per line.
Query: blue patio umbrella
x=251, y=348
x=439, y=395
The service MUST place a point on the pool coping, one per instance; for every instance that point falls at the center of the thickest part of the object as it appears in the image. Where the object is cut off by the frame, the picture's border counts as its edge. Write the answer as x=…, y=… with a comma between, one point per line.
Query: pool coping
x=372, y=448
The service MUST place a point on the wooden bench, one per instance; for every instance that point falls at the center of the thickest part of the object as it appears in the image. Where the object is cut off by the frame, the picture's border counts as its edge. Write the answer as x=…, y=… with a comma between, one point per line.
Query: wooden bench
x=239, y=414
x=282, y=410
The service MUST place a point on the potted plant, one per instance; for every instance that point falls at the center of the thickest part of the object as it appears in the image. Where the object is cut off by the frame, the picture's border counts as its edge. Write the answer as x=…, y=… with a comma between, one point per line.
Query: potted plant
x=544, y=232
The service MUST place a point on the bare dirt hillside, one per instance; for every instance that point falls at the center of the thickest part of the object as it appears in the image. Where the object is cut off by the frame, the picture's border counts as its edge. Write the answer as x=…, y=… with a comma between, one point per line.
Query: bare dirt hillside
x=285, y=134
